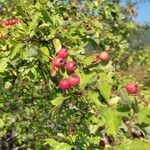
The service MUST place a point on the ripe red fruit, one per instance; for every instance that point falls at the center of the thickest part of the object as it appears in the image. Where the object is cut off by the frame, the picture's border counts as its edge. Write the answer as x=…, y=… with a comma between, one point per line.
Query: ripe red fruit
x=63, y=53
x=11, y=22
x=74, y=80
x=132, y=88
x=64, y=84
x=104, y=56
x=7, y=22
x=58, y=62
x=70, y=66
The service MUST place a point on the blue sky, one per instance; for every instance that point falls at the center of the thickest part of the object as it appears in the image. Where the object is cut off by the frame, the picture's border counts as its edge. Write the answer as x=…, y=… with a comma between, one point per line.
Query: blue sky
x=143, y=12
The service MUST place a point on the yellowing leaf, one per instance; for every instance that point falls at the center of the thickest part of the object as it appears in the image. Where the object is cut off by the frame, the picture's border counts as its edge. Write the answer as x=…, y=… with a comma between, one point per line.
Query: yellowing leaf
x=45, y=51
x=59, y=99
x=136, y=144
x=57, y=44
x=3, y=64
x=58, y=145
x=3, y=31
x=43, y=1
x=96, y=3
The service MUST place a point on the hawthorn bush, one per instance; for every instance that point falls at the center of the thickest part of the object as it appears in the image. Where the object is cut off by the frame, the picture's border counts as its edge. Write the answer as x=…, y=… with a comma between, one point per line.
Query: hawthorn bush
x=60, y=87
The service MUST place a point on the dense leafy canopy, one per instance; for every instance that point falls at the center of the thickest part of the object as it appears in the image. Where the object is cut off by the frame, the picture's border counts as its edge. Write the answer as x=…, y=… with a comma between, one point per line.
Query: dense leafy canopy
x=35, y=112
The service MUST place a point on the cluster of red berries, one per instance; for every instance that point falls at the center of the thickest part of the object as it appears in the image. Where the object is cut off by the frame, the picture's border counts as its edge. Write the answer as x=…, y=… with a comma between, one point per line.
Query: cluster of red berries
x=11, y=22
x=132, y=88
x=60, y=62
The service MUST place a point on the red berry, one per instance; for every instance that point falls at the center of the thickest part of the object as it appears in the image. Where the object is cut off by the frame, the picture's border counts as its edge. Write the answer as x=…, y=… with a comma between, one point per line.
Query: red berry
x=74, y=80
x=58, y=62
x=13, y=21
x=104, y=56
x=7, y=22
x=132, y=88
x=70, y=66
x=63, y=53
x=71, y=132
x=64, y=84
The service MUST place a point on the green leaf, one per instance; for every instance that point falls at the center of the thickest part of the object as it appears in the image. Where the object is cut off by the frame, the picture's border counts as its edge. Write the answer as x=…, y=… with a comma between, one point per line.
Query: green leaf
x=45, y=51
x=43, y=1
x=24, y=55
x=57, y=145
x=105, y=84
x=107, y=68
x=16, y=48
x=94, y=97
x=34, y=23
x=135, y=106
x=34, y=72
x=44, y=55
x=59, y=99
x=125, y=100
x=147, y=130
x=112, y=120
x=95, y=123
x=86, y=77
x=57, y=102
x=57, y=44
x=2, y=124
x=89, y=59
x=144, y=116
x=136, y=144
x=3, y=64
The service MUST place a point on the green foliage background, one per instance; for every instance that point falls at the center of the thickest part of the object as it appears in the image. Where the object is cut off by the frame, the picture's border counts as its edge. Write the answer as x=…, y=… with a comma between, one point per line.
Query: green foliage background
x=36, y=114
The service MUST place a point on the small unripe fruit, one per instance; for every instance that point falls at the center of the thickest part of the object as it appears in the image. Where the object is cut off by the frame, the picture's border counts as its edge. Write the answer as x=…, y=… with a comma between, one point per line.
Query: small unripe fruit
x=63, y=53
x=65, y=30
x=65, y=18
x=71, y=132
x=58, y=62
x=104, y=56
x=110, y=49
x=74, y=80
x=93, y=17
x=132, y=88
x=64, y=84
x=70, y=66
x=88, y=27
